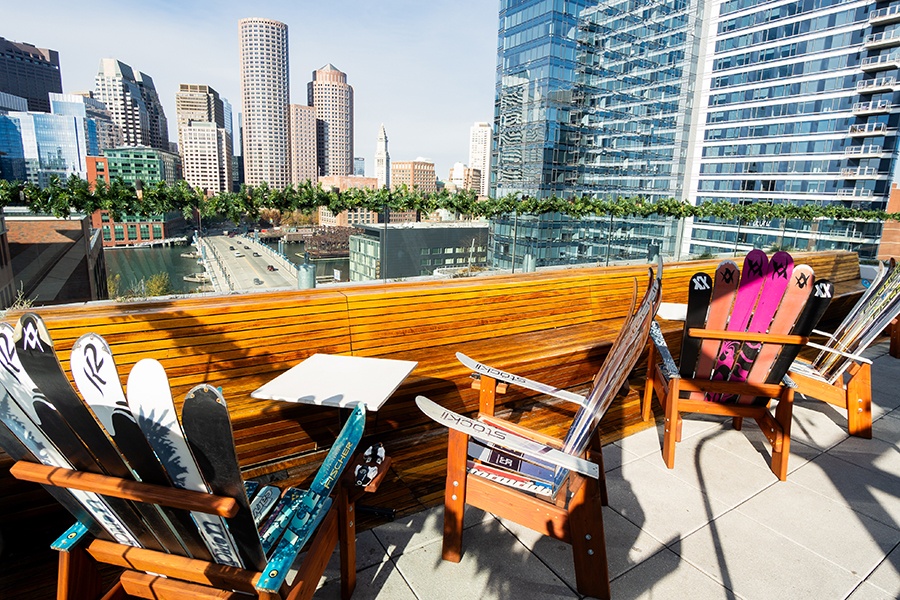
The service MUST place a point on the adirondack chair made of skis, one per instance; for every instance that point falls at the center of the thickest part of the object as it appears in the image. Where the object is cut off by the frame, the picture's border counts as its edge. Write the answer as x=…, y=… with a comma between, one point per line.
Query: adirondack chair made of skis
x=98, y=502
x=157, y=575
x=840, y=375
x=680, y=389
x=570, y=509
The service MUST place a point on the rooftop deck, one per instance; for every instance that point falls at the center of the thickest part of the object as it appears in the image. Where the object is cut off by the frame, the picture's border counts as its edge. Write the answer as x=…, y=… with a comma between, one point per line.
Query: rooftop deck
x=554, y=327
x=719, y=525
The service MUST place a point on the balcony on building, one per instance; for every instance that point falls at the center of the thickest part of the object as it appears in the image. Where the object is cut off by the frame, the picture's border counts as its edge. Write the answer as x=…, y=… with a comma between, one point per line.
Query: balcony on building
x=882, y=39
x=879, y=84
x=866, y=129
x=880, y=62
x=864, y=151
x=885, y=16
x=872, y=107
x=855, y=193
x=860, y=173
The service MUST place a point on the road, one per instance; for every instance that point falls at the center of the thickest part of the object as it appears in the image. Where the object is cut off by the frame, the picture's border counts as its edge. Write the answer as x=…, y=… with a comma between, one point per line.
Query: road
x=248, y=271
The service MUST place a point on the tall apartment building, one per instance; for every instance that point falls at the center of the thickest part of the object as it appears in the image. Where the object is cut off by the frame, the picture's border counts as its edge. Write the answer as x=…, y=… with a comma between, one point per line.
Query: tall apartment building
x=29, y=72
x=131, y=99
x=203, y=142
x=304, y=158
x=480, y=154
x=332, y=97
x=799, y=106
x=382, y=160
x=735, y=101
x=265, y=96
x=195, y=102
x=206, y=156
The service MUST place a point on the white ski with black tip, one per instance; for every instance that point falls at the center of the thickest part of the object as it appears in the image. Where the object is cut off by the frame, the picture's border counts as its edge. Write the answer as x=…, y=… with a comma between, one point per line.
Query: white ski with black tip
x=150, y=400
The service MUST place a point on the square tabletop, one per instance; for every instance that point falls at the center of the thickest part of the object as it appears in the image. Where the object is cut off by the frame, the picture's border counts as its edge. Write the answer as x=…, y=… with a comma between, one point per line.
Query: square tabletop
x=339, y=381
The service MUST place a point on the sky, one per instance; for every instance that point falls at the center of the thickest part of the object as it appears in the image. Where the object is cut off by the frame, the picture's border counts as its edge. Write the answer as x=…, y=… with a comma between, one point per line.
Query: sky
x=426, y=70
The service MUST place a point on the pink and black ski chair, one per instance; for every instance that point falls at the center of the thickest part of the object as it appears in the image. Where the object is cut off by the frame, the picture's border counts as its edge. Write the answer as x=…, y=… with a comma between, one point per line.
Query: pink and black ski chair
x=743, y=329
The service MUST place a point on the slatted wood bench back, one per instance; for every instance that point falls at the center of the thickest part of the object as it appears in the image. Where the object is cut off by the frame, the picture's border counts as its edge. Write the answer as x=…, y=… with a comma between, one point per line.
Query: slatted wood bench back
x=552, y=326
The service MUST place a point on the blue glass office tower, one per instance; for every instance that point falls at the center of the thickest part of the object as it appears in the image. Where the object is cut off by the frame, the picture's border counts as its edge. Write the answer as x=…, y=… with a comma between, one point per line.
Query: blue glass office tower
x=593, y=98
x=535, y=137
x=534, y=148
x=799, y=106
x=34, y=146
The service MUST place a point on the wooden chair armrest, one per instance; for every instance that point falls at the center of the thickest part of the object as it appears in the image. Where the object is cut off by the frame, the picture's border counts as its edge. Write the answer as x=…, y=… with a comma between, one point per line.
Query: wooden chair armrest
x=521, y=430
x=122, y=488
x=503, y=378
x=745, y=336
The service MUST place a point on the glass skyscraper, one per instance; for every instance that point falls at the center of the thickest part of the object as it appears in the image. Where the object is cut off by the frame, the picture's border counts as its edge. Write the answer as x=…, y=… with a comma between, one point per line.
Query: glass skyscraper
x=35, y=146
x=535, y=143
x=597, y=99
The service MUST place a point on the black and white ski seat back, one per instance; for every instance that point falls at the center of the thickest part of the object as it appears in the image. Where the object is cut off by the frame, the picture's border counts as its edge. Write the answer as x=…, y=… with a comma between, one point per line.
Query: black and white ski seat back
x=621, y=359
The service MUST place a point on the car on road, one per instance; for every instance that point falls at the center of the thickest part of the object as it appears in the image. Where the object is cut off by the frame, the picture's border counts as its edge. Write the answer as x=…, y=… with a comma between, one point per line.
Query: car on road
x=257, y=281
x=270, y=267
x=231, y=247
x=246, y=247
x=256, y=254
x=238, y=255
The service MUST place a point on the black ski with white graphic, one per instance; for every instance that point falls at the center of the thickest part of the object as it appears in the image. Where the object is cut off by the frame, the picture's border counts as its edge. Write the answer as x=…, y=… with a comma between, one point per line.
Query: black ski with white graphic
x=699, y=295
x=17, y=450
x=150, y=401
x=816, y=305
x=97, y=378
x=55, y=444
x=207, y=428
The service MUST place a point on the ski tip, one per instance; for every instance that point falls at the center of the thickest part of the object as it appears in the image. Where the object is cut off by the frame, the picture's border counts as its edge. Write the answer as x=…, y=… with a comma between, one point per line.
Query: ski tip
x=31, y=329
x=206, y=390
x=147, y=368
x=91, y=339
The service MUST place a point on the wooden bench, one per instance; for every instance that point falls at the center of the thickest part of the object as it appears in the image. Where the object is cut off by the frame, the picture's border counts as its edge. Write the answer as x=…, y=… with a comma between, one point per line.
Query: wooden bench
x=555, y=326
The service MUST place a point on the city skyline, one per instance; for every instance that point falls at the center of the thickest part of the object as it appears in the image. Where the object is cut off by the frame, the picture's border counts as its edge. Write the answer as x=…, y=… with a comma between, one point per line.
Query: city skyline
x=449, y=47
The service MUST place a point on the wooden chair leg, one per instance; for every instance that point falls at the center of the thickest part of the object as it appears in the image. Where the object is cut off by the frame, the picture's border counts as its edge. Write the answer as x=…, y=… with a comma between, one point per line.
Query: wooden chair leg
x=671, y=423
x=646, y=409
x=737, y=423
x=859, y=402
x=78, y=577
x=589, y=541
x=596, y=455
x=454, y=496
x=347, y=543
x=784, y=416
x=116, y=593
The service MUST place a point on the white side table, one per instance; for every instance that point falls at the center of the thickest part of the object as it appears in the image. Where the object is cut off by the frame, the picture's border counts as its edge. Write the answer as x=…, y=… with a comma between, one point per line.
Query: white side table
x=338, y=381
